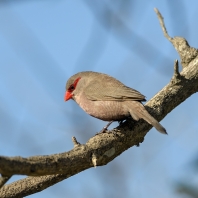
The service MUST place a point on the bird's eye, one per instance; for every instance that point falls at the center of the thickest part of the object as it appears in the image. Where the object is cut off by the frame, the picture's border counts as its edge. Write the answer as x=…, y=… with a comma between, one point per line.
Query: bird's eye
x=72, y=87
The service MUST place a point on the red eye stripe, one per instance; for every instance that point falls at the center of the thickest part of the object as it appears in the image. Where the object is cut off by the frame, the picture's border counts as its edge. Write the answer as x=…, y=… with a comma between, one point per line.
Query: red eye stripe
x=76, y=81
x=73, y=86
x=68, y=93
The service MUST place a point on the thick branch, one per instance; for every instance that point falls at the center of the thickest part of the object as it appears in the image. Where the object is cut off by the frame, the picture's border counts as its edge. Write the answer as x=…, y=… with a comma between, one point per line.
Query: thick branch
x=103, y=148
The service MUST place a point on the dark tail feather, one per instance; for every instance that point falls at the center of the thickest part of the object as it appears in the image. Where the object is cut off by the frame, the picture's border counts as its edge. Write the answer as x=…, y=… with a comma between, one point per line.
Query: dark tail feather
x=138, y=111
x=151, y=120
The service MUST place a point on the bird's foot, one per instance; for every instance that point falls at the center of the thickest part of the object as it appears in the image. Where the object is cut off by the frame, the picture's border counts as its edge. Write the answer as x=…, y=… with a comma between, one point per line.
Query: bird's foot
x=120, y=122
x=104, y=130
x=123, y=121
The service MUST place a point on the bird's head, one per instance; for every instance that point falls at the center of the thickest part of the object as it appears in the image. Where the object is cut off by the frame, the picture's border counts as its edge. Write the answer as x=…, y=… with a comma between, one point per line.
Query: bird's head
x=77, y=83
x=71, y=86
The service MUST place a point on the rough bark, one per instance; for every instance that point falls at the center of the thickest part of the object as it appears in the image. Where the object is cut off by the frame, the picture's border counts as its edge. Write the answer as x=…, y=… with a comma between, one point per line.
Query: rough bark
x=44, y=171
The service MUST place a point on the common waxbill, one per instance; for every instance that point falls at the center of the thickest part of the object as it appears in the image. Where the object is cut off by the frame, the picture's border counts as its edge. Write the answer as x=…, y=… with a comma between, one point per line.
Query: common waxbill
x=106, y=98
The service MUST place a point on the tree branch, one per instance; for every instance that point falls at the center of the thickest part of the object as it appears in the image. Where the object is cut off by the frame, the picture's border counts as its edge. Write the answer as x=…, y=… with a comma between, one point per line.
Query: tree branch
x=161, y=20
x=3, y=180
x=186, y=53
x=104, y=147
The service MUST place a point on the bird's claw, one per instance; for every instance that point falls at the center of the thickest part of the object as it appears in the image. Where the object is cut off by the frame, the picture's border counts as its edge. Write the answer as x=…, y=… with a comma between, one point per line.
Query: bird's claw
x=120, y=122
x=104, y=130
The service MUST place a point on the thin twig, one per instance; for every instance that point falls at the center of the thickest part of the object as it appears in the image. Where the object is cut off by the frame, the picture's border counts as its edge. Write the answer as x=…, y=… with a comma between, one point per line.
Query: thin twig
x=76, y=143
x=161, y=20
x=176, y=69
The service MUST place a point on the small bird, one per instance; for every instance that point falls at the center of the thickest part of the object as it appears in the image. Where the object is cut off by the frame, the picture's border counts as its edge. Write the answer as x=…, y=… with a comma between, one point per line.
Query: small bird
x=106, y=98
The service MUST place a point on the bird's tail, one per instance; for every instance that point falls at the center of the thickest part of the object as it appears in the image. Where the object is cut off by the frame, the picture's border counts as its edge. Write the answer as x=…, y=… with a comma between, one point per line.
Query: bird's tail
x=138, y=111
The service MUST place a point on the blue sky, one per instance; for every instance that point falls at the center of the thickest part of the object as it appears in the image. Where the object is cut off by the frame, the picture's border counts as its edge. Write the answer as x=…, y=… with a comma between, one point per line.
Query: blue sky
x=43, y=43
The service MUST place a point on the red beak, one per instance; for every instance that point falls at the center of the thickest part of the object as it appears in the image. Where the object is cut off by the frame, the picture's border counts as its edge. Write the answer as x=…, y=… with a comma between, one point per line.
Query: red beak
x=68, y=96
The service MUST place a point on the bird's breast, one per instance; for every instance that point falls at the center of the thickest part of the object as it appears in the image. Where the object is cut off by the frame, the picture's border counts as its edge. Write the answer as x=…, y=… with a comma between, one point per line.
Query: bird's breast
x=103, y=110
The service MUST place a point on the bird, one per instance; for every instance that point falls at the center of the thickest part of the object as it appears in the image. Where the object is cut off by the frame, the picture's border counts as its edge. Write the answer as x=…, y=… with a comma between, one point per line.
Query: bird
x=106, y=98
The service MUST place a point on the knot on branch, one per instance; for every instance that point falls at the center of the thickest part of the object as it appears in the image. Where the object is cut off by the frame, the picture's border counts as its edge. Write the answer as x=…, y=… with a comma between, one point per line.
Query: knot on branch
x=186, y=53
x=177, y=78
x=75, y=142
x=98, y=159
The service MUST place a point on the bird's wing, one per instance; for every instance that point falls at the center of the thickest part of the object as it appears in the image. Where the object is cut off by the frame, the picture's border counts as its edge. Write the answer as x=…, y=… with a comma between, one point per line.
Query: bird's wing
x=111, y=89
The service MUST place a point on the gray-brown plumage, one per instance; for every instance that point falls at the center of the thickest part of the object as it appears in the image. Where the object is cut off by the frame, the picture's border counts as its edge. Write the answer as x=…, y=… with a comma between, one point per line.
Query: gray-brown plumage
x=106, y=98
